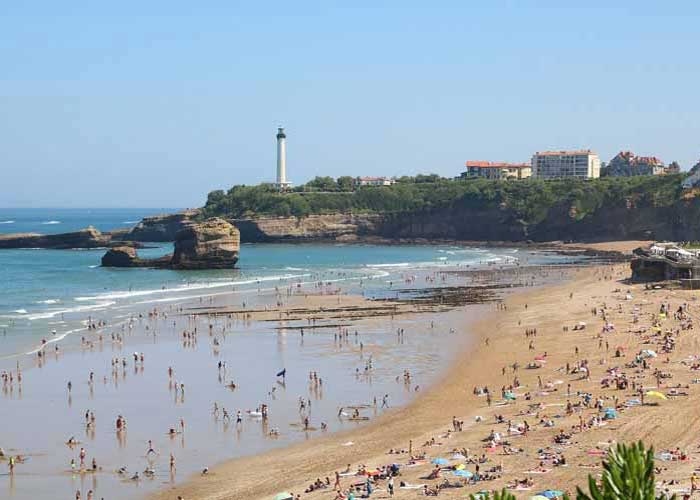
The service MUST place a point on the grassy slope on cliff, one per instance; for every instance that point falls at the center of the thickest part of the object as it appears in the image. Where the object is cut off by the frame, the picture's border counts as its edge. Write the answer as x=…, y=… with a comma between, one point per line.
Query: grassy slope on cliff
x=529, y=200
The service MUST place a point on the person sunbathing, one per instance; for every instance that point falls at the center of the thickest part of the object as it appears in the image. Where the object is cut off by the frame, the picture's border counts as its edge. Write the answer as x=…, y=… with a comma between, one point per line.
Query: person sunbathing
x=435, y=473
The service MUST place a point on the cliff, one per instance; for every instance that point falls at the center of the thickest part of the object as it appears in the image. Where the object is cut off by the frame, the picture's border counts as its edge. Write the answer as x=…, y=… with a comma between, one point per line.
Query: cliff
x=561, y=222
x=331, y=227
x=212, y=244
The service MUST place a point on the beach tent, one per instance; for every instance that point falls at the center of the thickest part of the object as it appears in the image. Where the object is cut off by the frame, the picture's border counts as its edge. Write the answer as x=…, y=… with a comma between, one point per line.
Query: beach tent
x=283, y=496
x=510, y=395
x=656, y=394
x=539, y=497
x=648, y=353
x=440, y=461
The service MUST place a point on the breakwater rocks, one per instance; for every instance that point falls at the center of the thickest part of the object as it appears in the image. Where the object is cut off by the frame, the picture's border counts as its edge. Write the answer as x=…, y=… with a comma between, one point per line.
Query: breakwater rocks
x=212, y=244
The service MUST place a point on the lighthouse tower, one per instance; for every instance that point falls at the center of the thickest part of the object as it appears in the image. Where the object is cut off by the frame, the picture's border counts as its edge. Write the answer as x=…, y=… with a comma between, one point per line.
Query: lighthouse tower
x=282, y=183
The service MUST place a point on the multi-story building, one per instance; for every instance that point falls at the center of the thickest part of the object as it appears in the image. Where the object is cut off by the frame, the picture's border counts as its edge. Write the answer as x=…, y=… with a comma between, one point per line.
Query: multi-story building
x=497, y=170
x=627, y=164
x=583, y=164
x=374, y=181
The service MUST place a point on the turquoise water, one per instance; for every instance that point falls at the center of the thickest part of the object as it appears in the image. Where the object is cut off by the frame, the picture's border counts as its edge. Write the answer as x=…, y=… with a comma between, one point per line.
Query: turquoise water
x=51, y=293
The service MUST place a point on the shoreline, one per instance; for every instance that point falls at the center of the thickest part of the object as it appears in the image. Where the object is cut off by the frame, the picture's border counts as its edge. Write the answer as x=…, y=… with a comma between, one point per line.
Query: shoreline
x=553, y=310
x=240, y=477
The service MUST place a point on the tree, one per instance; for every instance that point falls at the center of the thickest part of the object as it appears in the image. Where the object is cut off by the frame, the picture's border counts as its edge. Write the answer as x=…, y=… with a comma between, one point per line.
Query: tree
x=346, y=183
x=323, y=184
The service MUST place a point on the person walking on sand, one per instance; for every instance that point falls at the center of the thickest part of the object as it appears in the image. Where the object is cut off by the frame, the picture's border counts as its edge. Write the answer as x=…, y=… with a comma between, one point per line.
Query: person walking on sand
x=336, y=486
x=390, y=486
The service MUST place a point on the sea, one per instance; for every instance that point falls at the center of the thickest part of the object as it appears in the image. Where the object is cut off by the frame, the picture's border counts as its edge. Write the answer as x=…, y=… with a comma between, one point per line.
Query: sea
x=49, y=297
x=50, y=294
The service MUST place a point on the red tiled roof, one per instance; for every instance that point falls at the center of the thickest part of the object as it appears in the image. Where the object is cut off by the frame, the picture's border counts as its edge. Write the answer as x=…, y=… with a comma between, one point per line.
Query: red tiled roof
x=497, y=164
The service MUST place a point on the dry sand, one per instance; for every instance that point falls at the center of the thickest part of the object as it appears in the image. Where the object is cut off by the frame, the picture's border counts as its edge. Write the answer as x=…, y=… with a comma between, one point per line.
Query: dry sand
x=670, y=424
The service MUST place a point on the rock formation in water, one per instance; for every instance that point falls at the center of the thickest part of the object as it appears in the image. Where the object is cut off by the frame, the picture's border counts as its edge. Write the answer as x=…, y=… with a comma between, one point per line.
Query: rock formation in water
x=161, y=227
x=212, y=244
x=85, y=238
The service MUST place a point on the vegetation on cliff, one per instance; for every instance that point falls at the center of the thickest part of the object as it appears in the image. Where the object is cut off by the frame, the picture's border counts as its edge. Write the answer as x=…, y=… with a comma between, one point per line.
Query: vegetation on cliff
x=529, y=200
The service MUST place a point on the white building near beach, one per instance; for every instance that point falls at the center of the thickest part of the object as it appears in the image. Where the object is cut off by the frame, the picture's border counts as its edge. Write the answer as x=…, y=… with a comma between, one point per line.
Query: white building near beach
x=582, y=164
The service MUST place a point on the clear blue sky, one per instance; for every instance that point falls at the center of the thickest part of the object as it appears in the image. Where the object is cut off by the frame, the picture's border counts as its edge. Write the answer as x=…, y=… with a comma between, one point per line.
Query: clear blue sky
x=150, y=104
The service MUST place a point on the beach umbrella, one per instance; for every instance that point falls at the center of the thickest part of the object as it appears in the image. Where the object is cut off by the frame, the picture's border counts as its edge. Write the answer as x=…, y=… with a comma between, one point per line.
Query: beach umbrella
x=510, y=395
x=551, y=493
x=283, y=496
x=656, y=394
x=463, y=473
x=460, y=467
x=440, y=461
x=539, y=497
x=648, y=353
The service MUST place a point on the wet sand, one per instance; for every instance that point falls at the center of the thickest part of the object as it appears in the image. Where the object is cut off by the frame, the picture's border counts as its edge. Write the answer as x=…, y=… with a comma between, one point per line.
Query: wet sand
x=42, y=414
x=632, y=309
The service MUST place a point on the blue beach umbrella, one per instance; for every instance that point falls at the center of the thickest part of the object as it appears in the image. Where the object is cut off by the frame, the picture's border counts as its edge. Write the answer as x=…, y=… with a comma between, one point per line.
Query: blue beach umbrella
x=440, y=461
x=551, y=493
x=463, y=473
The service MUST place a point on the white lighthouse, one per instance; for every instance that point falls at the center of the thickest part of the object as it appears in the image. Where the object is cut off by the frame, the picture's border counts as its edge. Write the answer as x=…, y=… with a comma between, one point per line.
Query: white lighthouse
x=282, y=183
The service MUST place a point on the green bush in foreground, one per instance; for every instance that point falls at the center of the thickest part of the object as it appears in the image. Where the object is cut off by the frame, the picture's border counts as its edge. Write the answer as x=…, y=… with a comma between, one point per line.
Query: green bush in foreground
x=628, y=474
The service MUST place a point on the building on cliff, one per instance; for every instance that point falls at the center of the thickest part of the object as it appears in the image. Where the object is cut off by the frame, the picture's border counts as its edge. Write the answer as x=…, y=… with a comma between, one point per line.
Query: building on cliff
x=583, y=164
x=497, y=170
x=374, y=181
x=627, y=164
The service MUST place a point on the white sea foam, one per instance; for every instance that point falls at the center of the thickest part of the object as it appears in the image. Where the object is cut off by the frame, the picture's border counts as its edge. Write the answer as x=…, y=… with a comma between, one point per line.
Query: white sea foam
x=130, y=222
x=20, y=311
x=51, y=222
x=52, y=340
x=48, y=301
x=56, y=312
x=7, y=222
x=186, y=288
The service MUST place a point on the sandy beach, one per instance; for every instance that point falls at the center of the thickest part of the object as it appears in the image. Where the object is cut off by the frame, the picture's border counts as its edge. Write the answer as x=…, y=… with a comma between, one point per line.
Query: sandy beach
x=631, y=314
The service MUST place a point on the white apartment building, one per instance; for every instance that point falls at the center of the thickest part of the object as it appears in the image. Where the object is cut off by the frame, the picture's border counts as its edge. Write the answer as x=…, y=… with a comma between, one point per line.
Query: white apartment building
x=583, y=164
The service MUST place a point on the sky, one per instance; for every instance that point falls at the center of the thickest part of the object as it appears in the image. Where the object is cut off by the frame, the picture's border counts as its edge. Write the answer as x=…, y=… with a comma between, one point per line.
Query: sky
x=152, y=104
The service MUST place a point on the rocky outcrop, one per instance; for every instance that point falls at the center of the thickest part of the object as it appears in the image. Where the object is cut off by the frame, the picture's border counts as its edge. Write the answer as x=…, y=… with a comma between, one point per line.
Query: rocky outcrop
x=212, y=244
x=331, y=227
x=161, y=228
x=85, y=238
